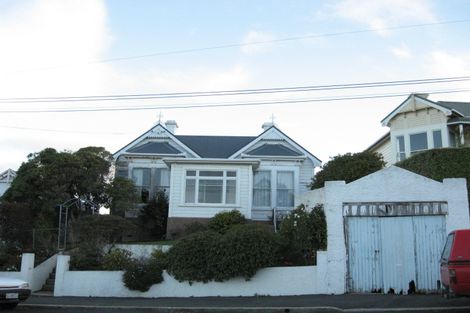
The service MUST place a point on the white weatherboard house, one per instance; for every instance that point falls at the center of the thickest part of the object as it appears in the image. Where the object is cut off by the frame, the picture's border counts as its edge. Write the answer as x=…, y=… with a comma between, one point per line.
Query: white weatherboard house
x=204, y=175
x=420, y=124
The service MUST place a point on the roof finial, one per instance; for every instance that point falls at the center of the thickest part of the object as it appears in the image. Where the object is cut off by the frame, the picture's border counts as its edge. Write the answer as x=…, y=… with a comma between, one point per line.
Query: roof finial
x=272, y=119
x=160, y=115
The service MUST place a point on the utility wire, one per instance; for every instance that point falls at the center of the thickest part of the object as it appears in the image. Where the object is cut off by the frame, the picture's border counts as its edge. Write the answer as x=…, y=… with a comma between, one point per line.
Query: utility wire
x=146, y=96
x=234, y=45
x=239, y=104
x=60, y=130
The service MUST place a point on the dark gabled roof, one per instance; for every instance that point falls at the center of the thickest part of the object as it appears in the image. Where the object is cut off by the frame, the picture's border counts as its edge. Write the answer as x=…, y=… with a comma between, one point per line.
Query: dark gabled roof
x=215, y=146
x=462, y=108
x=156, y=148
x=459, y=120
x=273, y=150
x=379, y=141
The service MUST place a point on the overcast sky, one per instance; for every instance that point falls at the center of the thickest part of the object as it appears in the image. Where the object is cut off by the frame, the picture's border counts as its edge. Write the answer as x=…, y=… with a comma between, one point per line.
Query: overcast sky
x=62, y=48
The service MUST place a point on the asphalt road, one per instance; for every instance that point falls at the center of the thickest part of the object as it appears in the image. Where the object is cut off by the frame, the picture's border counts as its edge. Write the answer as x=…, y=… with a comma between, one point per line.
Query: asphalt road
x=295, y=304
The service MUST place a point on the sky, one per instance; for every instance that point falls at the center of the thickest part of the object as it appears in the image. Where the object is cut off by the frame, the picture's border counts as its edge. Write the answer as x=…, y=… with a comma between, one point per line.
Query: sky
x=77, y=48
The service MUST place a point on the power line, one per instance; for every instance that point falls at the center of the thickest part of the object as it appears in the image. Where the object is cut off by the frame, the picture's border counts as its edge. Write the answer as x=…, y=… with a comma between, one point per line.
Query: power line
x=235, y=45
x=147, y=96
x=60, y=130
x=239, y=104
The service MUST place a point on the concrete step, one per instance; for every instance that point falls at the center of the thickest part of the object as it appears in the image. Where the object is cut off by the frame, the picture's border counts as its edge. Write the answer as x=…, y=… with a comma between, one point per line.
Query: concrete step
x=50, y=281
x=47, y=288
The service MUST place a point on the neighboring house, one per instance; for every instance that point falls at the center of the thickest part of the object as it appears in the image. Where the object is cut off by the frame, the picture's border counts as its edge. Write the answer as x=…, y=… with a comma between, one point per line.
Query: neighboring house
x=5, y=180
x=420, y=124
x=204, y=175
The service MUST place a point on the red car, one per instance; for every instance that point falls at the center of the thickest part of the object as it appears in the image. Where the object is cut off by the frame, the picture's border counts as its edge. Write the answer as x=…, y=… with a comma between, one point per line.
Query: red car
x=455, y=264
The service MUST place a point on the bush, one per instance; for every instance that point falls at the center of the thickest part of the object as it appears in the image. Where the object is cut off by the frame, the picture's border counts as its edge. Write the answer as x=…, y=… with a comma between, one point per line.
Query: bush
x=116, y=260
x=160, y=259
x=242, y=251
x=222, y=221
x=189, y=259
x=348, y=167
x=141, y=274
x=302, y=234
x=86, y=257
x=206, y=256
x=154, y=216
x=10, y=256
x=194, y=227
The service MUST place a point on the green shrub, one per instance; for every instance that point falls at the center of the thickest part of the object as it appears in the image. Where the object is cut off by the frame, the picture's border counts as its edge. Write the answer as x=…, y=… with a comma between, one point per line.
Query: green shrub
x=160, y=259
x=86, y=257
x=242, y=251
x=141, y=274
x=438, y=164
x=206, y=256
x=222, y=221
x=116, y=260
x=302, y=234
x=195, y=227
x=189, y=259
x=154, y=216
x=348, y=167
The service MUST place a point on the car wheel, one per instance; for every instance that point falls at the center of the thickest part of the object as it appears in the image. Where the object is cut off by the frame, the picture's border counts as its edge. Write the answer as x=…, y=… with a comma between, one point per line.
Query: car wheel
x=10, y=305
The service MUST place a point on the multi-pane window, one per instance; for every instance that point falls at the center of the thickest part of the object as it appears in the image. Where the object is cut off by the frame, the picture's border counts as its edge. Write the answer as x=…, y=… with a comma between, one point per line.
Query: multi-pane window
x=437, y=138
x=262, y=189
x=150, y=180
x=215, y=187
x=273, y=189
x=418, y=142
x=401, y=148
x=285, y=189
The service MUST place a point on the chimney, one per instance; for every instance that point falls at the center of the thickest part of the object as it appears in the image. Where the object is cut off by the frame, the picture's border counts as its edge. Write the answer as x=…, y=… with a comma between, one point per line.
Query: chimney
x=171, y=126
x=267, y=125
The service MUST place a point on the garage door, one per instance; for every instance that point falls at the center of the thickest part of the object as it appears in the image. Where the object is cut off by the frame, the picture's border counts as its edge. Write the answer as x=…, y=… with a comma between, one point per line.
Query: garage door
x=388, y=251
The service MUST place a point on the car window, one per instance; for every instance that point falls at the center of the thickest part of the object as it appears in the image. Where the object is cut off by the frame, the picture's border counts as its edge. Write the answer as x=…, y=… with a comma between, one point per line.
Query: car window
x=446, y=252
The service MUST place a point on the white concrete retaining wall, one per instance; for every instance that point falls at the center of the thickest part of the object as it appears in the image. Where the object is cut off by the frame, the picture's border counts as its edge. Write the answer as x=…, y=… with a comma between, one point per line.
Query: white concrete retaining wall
x=42, y=271
x=274, y=281
x=35, y=276
x=139, y=250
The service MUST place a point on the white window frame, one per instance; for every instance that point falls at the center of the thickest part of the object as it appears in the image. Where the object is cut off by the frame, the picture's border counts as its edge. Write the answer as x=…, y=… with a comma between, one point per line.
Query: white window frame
x=224, y=179
x=152, y=168
x=426, y=134
x=274, y=170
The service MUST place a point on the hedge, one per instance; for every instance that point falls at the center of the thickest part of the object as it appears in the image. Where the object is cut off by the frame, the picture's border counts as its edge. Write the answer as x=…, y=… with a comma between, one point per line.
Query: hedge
x=438, y=164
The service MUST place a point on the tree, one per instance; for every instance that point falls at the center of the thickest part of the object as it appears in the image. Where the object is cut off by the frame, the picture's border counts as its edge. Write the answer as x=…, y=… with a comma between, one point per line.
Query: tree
x=121, y=194
x=154, y=216
x=348, y=167
x=50, y=178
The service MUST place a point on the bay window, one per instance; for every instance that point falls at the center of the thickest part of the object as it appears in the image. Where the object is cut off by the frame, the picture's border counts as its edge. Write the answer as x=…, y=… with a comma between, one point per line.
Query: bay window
x=262, y=189
x=211, y=187
x=285, y=189
x=418, y=142
x=273, y=189
x=150, y=180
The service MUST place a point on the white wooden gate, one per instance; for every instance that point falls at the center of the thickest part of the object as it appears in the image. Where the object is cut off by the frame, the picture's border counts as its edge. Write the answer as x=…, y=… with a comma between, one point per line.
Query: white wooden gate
x=387, y=252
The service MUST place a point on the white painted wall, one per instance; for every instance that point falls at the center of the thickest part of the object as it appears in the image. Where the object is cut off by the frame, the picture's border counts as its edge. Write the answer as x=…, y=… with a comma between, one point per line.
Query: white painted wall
x=139, y=250
x=35, y=276
x=391, y=184
x=274, y=281
x=41, y=273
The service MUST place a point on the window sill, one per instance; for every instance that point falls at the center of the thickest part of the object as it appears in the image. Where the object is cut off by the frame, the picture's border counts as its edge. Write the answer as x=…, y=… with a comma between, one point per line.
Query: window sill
x=210, y=205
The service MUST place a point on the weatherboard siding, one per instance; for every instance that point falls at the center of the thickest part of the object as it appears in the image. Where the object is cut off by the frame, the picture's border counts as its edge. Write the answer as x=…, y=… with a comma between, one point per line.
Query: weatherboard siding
x=420, y=118
x=305, y=175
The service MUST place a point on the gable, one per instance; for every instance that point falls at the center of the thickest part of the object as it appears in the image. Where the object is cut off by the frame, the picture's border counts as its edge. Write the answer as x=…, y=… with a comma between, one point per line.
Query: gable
x=412, y=104
x=157, y=140
x=273, y=149
x=275, y=141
